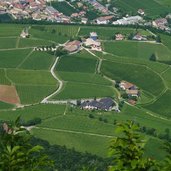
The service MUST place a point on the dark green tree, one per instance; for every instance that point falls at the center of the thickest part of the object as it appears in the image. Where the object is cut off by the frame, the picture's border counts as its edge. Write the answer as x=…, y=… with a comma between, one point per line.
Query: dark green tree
x=153, y=57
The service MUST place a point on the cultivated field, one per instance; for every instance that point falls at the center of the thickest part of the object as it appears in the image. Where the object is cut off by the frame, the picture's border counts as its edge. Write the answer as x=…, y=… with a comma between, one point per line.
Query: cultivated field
x=83, y=76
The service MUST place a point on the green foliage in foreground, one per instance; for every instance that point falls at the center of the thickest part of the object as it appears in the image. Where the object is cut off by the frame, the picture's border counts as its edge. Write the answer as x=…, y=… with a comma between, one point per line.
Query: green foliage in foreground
x=127, y=151
x=16, y=152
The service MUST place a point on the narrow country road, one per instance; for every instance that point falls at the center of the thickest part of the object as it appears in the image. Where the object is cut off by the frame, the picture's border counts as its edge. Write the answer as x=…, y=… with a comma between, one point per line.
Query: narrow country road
x=52, y=70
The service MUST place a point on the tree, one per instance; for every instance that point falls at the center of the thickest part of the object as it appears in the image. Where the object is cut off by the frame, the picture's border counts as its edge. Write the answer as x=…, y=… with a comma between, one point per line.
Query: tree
x=16, y=152
x=153, y=57
x=158, y=39
x=127, y=150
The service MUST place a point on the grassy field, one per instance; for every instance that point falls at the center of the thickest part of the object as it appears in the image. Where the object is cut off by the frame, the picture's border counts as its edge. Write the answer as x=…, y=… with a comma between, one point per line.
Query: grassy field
x=63, y=125
x=138, y=50
x=31, y=77
x=7, y=43
x=33, y=42
x=141, y=76
x=7, y=30
x=32, y=62
x=75, y=63
x=107, y=33
x=12, y=58
x=56, y=34
x=30, y=94
x=162, y=105
x=73, y=90
x=153, y=8
x=83, y=78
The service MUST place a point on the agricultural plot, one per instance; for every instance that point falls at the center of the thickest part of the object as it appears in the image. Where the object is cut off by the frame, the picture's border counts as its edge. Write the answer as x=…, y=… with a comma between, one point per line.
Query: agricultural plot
x=155, y=66
x=138, y=50
x=64, y=7
x=3, y=79
x=167, y=77
x=141, y=76
x=73, y=90
x=7, y=43
x=107, y=33
x=152, y=8
x=12, y=58
x=76, y=64
x=79, y=123
x=83, y=78
x=4, y=105
x=31, y=77
x=54, y=34
x=80, y=142
x=162, y=105
x=38, y=61
x=8, y=94
x=43, y=111
x=7, y=30
x=30, y=42
x=30, y=94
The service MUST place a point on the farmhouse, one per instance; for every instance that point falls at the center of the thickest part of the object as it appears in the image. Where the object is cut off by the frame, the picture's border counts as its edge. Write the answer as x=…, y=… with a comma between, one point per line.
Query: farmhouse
x=104, y=20
x=132, y=93
x=139, y=37
x=126, y=85
x=24, y=33
x=160, y=23
x=95, y=45
x=106, y=104
x=119, y=37
x=130, y=89
x=72, y=46
x=93, y=35
x=141, y=12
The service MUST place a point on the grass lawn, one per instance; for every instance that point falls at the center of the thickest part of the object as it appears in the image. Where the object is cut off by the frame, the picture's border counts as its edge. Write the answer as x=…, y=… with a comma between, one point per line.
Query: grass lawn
x=73, y=90
x=38, y=61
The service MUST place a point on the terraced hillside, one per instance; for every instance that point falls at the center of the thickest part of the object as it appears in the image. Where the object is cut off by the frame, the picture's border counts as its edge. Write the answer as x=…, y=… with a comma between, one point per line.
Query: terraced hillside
x=85, y=74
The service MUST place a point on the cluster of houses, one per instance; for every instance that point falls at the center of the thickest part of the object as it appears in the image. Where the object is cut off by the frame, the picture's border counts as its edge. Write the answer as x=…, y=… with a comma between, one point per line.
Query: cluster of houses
x=105, y=104
x=34, y=9
x=99, y=7
x=161, y=23
x=93, y=42
x=131, y=91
